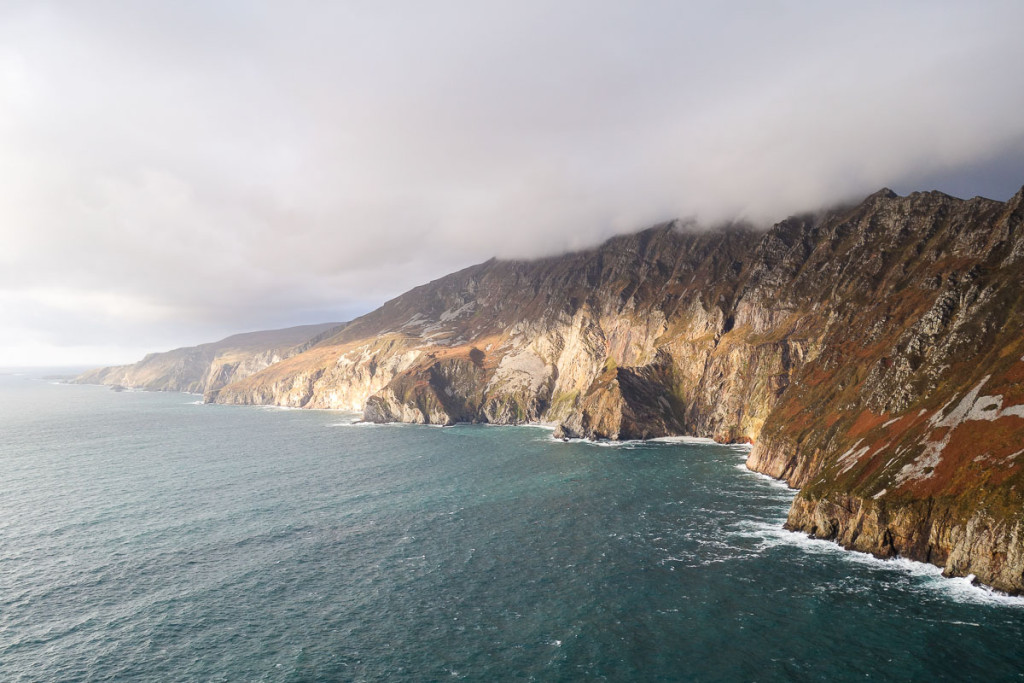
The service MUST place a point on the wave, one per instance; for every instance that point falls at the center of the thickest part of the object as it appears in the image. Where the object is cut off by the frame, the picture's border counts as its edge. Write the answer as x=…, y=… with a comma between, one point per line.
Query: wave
x=927, y=577
x=547, y=426
x=397, y=425
x=639, y=443
x=685, y=439
x=777, y=483
x=627, y=444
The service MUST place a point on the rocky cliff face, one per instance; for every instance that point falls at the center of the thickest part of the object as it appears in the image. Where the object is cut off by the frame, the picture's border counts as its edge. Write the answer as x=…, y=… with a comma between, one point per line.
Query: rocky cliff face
x=634, y=339
x=904, y=432
x=873, y=353
x=208, y=367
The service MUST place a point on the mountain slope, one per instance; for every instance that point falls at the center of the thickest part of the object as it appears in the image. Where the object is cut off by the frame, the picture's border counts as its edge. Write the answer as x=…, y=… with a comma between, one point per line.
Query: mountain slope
x=874, y=354
x=198, y=369
x=515, y=342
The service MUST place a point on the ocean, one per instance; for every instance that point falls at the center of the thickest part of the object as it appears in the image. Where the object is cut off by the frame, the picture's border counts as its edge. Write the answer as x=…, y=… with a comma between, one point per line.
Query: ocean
x=148, y=537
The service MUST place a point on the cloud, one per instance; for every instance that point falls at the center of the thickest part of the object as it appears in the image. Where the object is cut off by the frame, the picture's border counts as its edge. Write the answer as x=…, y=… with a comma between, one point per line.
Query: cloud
x=236, y=165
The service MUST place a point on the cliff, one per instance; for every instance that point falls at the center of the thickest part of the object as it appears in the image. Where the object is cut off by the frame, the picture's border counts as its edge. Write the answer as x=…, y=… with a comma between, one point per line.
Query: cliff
x=874, y=354
x=905, y=433
x=627, y=340
x=207, y=367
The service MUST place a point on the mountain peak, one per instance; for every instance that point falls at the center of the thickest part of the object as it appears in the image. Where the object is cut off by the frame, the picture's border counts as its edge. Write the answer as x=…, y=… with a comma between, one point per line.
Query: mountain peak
x=884, y=193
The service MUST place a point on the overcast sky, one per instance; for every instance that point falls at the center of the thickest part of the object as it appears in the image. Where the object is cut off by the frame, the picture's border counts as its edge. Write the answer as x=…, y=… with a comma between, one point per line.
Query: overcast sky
x=173, y=172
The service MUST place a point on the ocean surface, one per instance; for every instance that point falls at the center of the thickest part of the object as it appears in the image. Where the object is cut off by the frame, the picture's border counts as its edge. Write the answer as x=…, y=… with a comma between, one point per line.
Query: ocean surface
x=147, y=537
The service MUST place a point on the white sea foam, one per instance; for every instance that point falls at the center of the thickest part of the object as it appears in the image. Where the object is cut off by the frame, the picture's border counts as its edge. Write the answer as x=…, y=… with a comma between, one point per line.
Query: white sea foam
x=960, y=588
x=546, y=426
x=626, y=444
x=684, y=439
x=636, y=443
x=777, y=483
x=927, y=576
x=395, y=425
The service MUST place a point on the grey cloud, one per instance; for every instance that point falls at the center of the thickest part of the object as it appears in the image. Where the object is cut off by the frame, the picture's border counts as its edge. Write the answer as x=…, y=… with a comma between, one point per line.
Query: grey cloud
x=194, y=169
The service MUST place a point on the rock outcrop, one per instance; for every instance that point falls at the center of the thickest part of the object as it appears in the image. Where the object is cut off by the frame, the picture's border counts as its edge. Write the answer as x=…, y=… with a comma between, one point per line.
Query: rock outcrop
x=208, y=367
x=873, y=353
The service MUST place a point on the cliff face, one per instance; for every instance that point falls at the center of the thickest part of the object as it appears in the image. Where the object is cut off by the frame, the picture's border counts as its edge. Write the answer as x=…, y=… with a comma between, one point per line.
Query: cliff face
x=199, y=369
x=874, y=353
x=633, y=339
x=905, y=432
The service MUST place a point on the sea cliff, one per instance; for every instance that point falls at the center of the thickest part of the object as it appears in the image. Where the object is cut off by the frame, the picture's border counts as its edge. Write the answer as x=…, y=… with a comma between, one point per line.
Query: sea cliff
x=873, y=354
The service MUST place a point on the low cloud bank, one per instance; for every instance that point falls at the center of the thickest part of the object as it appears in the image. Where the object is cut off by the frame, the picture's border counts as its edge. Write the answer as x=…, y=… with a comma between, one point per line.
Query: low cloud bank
x=173, y=174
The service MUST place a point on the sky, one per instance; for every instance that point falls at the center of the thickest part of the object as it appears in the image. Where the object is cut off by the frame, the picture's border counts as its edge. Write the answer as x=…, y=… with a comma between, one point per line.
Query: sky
x=175, y=172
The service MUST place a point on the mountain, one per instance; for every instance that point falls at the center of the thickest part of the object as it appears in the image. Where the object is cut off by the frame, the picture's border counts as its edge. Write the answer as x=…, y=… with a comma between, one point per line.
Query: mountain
x=207, y=367
x=553, y=339
x=872, y=353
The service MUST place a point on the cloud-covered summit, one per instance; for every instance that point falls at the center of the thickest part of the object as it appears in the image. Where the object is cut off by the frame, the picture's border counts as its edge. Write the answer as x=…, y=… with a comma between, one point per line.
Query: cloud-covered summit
x=174, y=172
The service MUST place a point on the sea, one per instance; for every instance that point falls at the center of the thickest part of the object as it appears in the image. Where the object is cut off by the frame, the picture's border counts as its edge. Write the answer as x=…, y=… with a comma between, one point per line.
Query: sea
x=149, y=537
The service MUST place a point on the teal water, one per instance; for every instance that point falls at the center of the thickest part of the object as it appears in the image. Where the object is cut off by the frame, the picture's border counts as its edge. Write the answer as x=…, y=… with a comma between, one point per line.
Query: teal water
x=144, y=537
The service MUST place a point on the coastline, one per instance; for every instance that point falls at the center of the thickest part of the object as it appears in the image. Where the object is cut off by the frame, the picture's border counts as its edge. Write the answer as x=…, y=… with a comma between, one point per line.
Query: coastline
x=824, y=534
